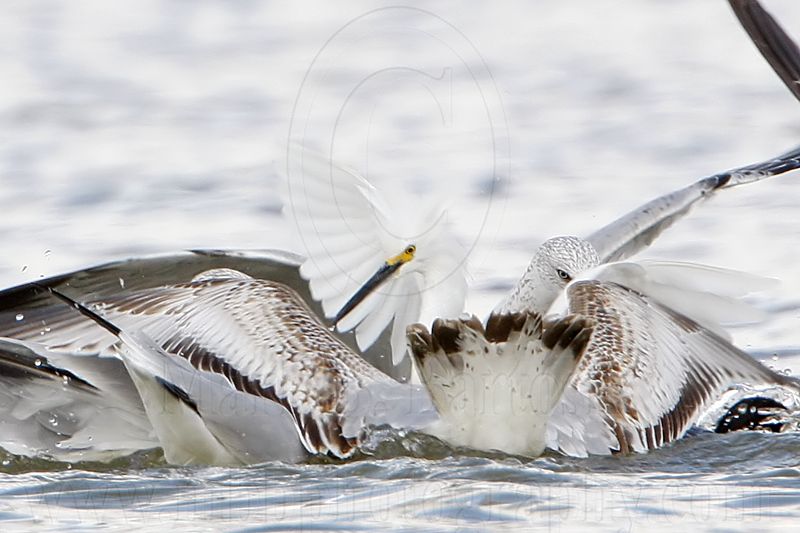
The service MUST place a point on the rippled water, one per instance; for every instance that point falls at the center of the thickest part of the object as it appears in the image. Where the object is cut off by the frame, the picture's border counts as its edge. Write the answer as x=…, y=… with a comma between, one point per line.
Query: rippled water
x=746, y=480
x=132, y=131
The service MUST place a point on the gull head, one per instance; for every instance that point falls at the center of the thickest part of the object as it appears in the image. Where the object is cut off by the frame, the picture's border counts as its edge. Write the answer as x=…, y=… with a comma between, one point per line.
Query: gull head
x=557, y=262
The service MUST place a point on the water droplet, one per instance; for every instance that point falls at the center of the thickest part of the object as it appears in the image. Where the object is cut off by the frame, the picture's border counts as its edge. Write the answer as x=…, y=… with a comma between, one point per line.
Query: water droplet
x=19, y=317
x=53, y=420
x=37, y=363
x=121, y=283
x=47, y=252
x=6, y=462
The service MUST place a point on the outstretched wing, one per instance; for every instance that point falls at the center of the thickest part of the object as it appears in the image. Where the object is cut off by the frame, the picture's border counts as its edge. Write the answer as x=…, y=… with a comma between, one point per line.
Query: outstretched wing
x=344, y=227
x=28, y=313
x=652, y=370
x=636, y=230
x=711, y=296
x=258, y=335
x=348, y=231
x=780, y=51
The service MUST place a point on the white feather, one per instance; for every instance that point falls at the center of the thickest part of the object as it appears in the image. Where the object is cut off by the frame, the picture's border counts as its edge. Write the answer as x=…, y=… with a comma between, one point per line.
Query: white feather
x=495, y=389
x=708, y=295
x=349, y=231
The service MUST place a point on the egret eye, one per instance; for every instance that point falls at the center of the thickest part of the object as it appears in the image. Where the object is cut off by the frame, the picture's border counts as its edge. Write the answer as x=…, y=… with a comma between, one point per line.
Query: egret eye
x=563, y=274
x=411, y=249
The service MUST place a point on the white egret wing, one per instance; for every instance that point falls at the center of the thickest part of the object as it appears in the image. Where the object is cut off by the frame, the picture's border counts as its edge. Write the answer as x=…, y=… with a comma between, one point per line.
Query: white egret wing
x=349, y=232
x=343, y=225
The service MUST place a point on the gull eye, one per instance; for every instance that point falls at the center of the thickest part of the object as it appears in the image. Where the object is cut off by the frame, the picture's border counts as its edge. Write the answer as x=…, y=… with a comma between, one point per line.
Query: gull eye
x=563, y=274
x=411, y=249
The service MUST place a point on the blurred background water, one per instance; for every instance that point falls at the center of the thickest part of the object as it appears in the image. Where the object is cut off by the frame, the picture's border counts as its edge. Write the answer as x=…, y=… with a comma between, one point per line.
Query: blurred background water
x=130, y=130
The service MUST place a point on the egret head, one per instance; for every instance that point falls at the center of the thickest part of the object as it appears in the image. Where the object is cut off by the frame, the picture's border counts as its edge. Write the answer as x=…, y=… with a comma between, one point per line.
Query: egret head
x=391, y=266
x=556, y=263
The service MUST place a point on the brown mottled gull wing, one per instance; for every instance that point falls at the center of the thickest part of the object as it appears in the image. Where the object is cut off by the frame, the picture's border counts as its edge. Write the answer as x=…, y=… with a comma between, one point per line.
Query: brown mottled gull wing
x=651, y=369
x=28, y=313
x=257, y=335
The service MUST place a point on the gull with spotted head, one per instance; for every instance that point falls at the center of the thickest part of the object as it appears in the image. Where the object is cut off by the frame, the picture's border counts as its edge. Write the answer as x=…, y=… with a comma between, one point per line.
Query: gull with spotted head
x=370, y=266
x=557, y=262
x=655, y=356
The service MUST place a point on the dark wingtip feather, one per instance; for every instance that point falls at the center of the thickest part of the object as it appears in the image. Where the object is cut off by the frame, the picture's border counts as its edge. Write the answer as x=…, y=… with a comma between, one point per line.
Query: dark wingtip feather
x=419, y=340
x=18, y=362
x=757, y=413
x=571, y=331
x=178, y=393
x=553, y=331
x=581, y=341
x=82, y=309
x=446, y=334
x=500, y=326
x=780, y=51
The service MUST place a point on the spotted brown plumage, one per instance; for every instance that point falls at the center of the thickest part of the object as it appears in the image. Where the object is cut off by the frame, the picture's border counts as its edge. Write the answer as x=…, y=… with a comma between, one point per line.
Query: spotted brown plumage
x=652, y=370
x=494, y=385
x=260, y=337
